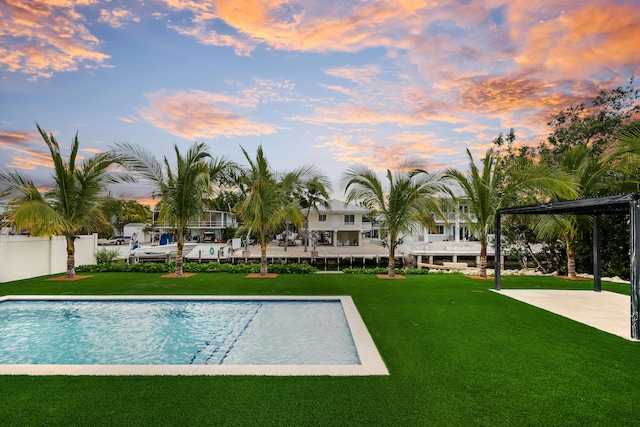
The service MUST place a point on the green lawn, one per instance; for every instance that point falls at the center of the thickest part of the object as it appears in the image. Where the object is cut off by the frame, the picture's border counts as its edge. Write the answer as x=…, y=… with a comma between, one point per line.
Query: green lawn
x=458, y=355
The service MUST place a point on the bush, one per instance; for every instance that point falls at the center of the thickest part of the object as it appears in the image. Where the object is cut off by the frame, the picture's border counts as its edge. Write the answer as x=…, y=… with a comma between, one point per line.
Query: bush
x=194, y=267
x=291, y=268
x=107, y=256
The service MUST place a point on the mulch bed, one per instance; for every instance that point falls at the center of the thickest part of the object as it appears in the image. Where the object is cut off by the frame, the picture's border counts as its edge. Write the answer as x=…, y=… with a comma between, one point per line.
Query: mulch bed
x=177, y=276
x=68, y=279
x=481, y=278
x=386, y=276
x=258, y=276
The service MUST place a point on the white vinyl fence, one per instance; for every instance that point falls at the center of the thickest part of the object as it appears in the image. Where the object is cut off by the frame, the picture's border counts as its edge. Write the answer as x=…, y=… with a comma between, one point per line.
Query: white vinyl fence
x=23, y=257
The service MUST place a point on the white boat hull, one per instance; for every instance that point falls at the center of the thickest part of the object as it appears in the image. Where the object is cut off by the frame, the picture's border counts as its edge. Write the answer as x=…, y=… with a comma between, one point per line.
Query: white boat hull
x=161, y=251
x=209, y=252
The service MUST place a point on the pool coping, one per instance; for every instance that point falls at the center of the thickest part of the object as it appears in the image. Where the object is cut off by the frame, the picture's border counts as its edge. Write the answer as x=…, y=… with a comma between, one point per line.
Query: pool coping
x=371, y=362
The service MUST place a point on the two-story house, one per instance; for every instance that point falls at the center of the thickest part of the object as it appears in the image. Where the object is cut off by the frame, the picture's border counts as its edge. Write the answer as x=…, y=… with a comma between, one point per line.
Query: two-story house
x=340, y=224
x=210, y=225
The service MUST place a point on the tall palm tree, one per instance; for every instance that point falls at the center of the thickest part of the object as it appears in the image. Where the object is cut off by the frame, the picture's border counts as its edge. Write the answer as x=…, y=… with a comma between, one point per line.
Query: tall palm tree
x=182, y=190
x=406, y=203
x=594, y=176
x=488, y=189
x=483, y=193
x=314, y=193
x=270, y=201
x=71, y=207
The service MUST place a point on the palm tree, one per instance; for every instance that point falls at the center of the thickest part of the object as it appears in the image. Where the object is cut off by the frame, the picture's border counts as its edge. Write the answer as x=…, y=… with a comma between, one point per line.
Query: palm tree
x=594, y=176
x=408, y=202
x=483, y=193
x=314, y=193
x=487, y=190
x=182, y=190
x=270, y=200
x=626, y=152
x=71, y=207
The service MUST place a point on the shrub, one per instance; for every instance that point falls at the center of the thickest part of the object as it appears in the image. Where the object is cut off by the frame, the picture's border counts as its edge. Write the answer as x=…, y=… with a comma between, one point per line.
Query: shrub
x=291, y=268
x=194, y=267
x=107, y=256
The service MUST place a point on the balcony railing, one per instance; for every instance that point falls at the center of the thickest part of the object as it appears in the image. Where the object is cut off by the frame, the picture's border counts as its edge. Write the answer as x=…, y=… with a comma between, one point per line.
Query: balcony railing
x=201, y=224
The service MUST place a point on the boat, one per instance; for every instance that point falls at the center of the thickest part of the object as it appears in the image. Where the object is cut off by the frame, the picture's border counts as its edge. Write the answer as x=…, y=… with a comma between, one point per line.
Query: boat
x=209, y=252
x=289, y=236
x=161, y=252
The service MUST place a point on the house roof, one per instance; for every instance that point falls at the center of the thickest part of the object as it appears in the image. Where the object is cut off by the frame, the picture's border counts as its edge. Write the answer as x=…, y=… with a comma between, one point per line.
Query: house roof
x=340, y=206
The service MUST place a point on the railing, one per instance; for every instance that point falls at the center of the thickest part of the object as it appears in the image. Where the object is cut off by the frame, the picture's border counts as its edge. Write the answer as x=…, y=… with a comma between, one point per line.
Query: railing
x=201, y=224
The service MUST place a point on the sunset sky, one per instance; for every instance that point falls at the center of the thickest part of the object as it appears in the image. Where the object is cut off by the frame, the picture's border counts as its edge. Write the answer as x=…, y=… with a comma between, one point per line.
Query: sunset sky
x=330, y=83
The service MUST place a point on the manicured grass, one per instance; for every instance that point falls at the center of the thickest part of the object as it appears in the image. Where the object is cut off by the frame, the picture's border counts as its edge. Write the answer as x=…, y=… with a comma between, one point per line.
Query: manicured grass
x=458, y=354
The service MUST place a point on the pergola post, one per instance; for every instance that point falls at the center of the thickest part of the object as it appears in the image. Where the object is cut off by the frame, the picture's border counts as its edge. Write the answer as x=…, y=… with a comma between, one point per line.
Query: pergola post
x=597, y=283
x=634, y=214
x=497, y=255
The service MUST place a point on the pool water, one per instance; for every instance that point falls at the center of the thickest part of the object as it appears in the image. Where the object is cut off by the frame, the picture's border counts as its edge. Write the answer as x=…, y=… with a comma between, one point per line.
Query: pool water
x=179, y=332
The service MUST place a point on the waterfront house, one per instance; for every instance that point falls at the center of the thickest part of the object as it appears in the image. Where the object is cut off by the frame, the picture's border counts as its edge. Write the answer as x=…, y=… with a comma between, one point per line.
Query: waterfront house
x=339, y=224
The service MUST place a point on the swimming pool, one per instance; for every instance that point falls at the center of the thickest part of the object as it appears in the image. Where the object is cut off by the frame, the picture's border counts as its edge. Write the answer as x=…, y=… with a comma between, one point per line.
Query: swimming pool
x=185, y=335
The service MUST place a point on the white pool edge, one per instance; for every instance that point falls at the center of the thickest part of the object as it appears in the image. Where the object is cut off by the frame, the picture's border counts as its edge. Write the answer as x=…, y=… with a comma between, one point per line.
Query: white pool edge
x=371, y=362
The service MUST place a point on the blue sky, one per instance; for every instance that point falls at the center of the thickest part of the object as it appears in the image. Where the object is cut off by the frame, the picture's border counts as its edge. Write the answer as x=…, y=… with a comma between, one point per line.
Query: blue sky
x=330, y=83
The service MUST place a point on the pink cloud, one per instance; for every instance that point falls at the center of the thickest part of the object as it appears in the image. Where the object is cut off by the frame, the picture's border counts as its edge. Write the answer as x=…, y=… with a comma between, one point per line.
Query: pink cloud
x=199, y=114
x=15, y=139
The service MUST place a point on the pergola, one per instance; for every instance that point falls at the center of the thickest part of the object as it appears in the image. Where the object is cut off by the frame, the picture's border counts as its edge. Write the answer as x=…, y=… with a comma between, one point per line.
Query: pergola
x=620, y=204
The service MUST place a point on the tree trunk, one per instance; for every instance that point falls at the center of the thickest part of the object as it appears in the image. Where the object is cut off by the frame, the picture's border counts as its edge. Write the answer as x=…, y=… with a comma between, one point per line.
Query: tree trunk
x=71, y=260
x=540, y=266
x=483, y=257
x=571, y=261
x=306, y=234
x=392, y=261
x=179, y=260
x=263, y=257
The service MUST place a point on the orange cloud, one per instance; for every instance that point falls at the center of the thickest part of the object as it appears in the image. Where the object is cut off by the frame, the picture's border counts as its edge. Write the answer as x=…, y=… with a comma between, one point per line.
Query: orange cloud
x=380, y=97
x=92, y=150
x=358, y=115
x=581, y=38
x=29, y=159
x=213, y=38
x=41, y=38
x=198, y=114
x=319, y=26
x=499, y=95
x=116, y=18
x=473, y=128
x=388, y=153
x=341, y=89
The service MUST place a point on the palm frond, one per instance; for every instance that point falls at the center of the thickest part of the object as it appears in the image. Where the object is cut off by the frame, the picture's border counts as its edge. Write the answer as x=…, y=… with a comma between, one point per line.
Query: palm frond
x=141, y=162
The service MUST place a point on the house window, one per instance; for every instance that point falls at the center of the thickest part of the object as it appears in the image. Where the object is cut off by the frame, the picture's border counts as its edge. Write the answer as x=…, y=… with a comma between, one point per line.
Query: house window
x=349, y=220
x=322, y=217
x=440, y=229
